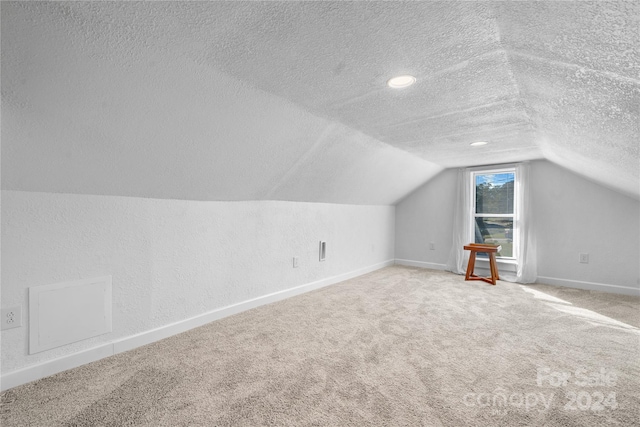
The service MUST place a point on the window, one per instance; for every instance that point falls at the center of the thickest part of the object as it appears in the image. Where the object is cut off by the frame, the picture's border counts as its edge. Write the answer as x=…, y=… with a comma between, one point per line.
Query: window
x=493, y=210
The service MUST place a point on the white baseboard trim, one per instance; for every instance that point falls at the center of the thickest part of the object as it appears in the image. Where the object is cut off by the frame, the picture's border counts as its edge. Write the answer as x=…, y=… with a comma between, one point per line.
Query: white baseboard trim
x=420, y=264
x=157, y=334
x=50, y=367
x=589, y=286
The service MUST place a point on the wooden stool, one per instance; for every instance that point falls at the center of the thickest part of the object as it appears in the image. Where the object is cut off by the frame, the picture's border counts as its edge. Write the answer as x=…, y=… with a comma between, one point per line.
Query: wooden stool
x=482, y=248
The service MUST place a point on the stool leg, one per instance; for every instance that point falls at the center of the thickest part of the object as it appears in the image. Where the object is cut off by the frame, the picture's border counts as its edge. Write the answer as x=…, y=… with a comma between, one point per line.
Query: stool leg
x=471, y=265
x=494, y=267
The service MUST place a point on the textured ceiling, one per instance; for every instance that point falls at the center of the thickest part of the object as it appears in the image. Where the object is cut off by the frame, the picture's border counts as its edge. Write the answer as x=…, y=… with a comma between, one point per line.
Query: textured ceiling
x=287, y=100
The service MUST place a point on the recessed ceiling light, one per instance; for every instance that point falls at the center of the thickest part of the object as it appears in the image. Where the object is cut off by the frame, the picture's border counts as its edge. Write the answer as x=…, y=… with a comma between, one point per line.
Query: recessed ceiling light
x=478, y=143
x=401, y=81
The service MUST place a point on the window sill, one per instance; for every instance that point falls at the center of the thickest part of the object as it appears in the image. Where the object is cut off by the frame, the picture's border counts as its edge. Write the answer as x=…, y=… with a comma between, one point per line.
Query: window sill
x=499, y=260
x=504, y=265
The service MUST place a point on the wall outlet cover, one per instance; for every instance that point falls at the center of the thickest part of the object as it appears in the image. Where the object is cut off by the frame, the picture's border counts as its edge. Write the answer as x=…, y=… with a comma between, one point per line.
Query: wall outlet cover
x=11, y=317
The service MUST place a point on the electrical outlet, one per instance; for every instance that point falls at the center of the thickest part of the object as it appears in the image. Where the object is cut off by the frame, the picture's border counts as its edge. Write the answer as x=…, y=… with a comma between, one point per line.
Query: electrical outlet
x=584, y=258
x=432, y=246
x=295, y=262
x=11, y=317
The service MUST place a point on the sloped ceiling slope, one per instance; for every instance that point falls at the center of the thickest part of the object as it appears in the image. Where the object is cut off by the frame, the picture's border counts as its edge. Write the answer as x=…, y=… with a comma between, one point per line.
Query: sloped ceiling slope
x=288, y=100
x=577, y=65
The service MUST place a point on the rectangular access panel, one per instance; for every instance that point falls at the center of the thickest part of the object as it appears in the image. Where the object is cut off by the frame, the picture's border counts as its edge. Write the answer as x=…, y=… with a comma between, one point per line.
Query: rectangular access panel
x=63, y=313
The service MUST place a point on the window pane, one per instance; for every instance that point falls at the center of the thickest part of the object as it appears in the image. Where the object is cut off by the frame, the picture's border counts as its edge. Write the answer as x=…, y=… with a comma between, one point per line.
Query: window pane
x=497, y=231
x=494, y=193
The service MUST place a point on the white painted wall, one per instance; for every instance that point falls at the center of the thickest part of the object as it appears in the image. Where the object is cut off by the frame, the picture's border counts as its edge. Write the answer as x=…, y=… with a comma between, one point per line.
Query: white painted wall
x=427, y=216
x=572, y=215
x=575, y=215
x=172, y=259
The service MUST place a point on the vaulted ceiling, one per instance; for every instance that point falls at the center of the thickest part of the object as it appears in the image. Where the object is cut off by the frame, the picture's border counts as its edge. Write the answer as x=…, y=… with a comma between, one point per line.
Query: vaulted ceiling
x=288, y=100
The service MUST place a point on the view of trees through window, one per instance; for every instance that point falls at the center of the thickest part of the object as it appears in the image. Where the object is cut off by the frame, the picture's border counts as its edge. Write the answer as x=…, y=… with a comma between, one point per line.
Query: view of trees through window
x=494, y=209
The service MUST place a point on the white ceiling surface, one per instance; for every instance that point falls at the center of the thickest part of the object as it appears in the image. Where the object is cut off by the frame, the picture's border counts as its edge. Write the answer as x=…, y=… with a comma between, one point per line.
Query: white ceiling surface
x=287, y=100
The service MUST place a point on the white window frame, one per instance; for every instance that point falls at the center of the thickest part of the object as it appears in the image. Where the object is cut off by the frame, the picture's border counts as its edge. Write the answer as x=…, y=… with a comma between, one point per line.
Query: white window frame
x=489, y=170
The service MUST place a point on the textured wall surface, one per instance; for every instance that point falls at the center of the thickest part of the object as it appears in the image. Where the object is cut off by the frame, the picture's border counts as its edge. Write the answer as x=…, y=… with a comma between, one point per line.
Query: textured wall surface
x=571, y=215
x=287, y=100
x=170, y=259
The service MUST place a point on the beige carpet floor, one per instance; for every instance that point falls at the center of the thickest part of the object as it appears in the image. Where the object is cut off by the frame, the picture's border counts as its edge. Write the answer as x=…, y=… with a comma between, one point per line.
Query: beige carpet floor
x=397, y=347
